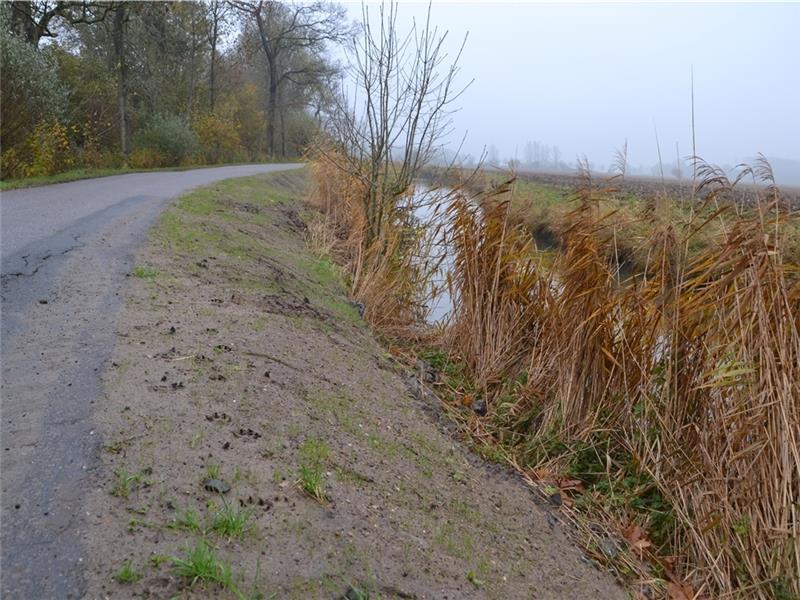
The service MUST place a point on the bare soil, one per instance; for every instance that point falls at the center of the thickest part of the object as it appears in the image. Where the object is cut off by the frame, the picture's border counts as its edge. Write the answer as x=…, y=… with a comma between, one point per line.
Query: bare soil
x=239, y=358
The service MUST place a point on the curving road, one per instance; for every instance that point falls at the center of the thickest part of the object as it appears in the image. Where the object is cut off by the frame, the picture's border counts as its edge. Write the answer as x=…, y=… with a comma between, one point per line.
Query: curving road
x=66, y=250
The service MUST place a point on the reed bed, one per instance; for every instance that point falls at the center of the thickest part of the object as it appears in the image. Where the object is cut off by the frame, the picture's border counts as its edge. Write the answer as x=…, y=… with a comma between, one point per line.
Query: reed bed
x=666, y=403
x=381, y=267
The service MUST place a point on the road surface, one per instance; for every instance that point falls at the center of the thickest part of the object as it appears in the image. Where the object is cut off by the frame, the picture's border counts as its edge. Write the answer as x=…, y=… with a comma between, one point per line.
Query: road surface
x=66, y=250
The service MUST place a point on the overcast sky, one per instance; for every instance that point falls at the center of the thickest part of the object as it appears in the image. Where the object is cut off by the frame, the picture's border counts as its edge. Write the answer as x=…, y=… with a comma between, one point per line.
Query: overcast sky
x=588, y=76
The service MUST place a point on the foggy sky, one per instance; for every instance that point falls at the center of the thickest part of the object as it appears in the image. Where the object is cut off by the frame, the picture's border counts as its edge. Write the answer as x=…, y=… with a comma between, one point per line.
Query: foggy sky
x=588, y=76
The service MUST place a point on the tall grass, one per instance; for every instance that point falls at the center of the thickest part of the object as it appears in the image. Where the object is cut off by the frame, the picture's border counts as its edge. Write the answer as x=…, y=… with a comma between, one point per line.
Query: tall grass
x=381, y=264
x=667, y=402
x=686, y=379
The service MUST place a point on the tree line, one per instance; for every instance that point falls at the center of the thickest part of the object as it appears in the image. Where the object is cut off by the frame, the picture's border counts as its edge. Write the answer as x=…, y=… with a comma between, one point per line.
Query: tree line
x=151, y=84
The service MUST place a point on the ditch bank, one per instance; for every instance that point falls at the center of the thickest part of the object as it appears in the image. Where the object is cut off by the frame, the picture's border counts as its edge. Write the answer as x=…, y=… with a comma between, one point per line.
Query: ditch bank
x=258, y=442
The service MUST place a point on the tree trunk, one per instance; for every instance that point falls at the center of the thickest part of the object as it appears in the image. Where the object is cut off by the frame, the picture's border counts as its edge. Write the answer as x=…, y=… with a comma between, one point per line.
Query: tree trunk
x=122, y=78
x=192, y=68
x=211, y=72
x=272, y=84
x=272, y=105
x=283, y=133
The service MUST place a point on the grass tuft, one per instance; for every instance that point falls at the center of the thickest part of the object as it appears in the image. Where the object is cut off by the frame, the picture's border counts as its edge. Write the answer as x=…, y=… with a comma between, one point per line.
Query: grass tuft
x=125, y=483
x=313, y=455
x=144, y=272
x=201, y=565
x=127, y=574
x=232, y=522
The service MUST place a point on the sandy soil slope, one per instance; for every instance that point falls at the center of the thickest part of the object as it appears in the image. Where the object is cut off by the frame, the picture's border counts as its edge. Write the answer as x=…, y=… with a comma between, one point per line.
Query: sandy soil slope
x=241, y=364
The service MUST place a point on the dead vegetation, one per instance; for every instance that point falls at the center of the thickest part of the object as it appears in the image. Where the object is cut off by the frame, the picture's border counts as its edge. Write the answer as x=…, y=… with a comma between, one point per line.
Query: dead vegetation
x=665, y=405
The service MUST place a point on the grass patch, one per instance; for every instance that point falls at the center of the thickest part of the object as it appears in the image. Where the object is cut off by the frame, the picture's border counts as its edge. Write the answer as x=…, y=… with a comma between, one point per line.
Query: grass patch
x=201, y=565
x=313, y=456
x=312, y=481
x=144, y=272
x=156, y=560
x=127, y=573
x=188, y=520
x=66, y=176
x=231, y=522
x=125, y=483
x=454, y=541
x=78, y=174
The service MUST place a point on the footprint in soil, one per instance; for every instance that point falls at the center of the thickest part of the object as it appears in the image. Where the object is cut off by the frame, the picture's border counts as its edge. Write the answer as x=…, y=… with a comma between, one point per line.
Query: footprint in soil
x=250, y=501
x=218, y=416
x=242, y=432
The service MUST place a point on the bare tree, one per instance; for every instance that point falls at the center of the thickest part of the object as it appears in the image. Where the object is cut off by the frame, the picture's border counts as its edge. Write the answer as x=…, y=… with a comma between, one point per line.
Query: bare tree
x=285, y=29
x=400, y=110
x=621, y=160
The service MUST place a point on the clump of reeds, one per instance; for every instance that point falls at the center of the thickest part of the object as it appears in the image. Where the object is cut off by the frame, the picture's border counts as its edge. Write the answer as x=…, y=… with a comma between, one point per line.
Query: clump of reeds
x=727, y=412
x=497, y=292
x=381, y=262
x=684, y=381
x=667, y=402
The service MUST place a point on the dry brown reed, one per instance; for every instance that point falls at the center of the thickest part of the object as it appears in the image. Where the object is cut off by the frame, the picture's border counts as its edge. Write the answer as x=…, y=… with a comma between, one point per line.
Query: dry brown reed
x=689, y=375
x=668, y=402
x=381, y=269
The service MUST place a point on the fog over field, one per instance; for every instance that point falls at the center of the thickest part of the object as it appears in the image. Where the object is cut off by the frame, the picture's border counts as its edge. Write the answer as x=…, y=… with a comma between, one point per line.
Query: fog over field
x=586, y=77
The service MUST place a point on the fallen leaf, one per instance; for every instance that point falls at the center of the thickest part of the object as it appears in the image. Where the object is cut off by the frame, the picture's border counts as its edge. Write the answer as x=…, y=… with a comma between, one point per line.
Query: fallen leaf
x=678, y=591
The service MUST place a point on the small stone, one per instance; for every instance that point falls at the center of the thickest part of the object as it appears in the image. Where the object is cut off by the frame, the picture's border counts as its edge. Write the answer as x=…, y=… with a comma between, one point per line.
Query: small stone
x=608, y=547
x=426, y=372
x=479, y=406
x=42, y=301
x=216, y=485
x=359, y=306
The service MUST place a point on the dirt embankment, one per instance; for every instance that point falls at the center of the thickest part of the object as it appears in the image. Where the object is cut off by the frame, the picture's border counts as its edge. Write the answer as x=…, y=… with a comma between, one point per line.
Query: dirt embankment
x=258, y=442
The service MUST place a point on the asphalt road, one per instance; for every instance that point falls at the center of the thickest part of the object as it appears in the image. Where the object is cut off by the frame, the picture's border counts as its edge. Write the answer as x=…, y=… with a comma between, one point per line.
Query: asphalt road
x=66, y=250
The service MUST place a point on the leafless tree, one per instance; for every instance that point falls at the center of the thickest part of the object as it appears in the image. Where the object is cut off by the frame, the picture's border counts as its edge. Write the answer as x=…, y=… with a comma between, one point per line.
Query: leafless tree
x=621, y=160
x=400, y=111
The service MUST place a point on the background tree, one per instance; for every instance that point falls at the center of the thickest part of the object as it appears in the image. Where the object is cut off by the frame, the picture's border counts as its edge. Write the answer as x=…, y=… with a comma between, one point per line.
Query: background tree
x=218, y=21
x=290, y=34
x=85, y=83
x=33, y=20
